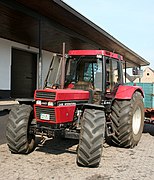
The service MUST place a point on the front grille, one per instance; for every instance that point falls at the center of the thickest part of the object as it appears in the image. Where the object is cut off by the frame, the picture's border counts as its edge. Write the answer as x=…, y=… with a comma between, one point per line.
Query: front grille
x=45, y=95
x=44, y=110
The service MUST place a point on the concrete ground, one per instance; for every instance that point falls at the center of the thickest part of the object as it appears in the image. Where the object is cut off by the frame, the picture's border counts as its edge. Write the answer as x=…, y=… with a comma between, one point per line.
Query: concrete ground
x=56, y=159
x=7, y=104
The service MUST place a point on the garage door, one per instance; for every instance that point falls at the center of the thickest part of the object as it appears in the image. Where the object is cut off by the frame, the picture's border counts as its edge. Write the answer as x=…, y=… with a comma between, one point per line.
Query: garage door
x=23, y=74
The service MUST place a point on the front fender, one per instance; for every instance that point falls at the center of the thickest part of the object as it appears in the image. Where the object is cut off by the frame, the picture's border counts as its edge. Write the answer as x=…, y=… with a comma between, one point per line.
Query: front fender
x=94, y=106
x=126, y=92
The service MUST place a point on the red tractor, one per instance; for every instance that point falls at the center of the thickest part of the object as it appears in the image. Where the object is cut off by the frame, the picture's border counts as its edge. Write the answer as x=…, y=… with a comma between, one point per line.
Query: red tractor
x=90, y=103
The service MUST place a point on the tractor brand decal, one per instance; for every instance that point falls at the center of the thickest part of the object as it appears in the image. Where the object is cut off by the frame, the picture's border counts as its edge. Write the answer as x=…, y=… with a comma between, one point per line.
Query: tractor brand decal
x=66, y=104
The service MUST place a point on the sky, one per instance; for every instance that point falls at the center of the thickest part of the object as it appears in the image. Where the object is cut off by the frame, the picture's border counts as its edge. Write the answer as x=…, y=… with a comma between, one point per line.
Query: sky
x=130, y=22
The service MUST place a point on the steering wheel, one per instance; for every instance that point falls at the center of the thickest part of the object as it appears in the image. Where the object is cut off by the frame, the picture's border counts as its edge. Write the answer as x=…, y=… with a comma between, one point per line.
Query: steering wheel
x=56, y=86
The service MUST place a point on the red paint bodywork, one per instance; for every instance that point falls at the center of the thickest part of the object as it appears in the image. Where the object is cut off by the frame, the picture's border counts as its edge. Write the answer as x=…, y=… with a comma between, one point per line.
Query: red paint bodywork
x=94, y=53
x=63, y=113
x=126, y=92
x=64, y=100
x=65, y=94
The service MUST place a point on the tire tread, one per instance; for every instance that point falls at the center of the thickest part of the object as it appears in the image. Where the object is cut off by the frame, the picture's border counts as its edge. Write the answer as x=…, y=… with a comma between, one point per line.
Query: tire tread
x=17, y=127
x=91, y=138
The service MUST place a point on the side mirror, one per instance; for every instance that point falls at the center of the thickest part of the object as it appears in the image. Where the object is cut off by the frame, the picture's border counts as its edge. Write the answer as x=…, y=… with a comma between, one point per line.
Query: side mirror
x=135, y=71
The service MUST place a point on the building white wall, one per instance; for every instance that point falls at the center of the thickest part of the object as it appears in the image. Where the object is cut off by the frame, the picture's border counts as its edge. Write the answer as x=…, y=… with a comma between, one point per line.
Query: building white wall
x=5, y=65
x=148, y=76
x=5, y=61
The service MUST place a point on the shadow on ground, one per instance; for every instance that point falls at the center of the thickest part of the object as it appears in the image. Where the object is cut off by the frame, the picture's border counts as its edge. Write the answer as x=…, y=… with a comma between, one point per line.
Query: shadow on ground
x=3, y=122
x=56, y=146
x=4, y=112
x=149, y=128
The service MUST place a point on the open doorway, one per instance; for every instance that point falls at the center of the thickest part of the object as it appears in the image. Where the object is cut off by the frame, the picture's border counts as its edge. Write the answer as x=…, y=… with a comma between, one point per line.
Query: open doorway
x=23, y=74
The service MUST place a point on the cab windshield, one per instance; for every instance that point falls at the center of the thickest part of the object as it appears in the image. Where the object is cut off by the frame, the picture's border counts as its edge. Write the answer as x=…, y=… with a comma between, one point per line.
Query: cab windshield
x=85, y=70
x=89, y=72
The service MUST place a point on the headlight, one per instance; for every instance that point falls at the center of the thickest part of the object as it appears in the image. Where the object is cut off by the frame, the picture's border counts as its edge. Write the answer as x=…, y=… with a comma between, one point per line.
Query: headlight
x=50, y=103
x=38, y=102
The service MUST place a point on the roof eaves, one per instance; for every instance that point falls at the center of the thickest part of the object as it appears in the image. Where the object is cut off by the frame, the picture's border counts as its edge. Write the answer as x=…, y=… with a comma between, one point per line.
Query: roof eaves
x=96, y=27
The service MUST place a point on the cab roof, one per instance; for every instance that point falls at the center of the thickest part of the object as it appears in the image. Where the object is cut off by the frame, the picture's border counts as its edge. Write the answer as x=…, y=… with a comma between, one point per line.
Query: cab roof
x=94, y=53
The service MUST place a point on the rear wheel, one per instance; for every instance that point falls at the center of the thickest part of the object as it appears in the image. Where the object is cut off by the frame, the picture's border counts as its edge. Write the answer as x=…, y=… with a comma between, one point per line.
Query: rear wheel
x=91, y=138
x=128, y=121
x=17, y=131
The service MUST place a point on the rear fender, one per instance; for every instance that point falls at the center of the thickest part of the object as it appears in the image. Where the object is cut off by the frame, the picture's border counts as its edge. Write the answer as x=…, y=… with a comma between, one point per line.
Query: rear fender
x=126, y=92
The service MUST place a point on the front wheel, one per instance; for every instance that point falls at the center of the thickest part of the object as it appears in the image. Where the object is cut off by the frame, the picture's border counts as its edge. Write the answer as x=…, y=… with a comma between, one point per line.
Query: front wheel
x=128, y=121
x=17, y=130
x=91, y=138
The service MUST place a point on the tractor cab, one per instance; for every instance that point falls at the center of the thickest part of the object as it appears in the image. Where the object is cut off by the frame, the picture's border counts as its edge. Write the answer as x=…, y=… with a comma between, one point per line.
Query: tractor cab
x=95, y=70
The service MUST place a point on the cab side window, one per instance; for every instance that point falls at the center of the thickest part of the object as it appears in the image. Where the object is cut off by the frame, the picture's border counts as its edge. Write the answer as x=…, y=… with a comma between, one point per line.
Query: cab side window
x=112, y=75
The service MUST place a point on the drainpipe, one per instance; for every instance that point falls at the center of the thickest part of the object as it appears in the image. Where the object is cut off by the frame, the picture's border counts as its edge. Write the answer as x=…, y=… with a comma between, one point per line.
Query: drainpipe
x=40, y=55
x=140, y=74
x=63, y=68
x=125, y=71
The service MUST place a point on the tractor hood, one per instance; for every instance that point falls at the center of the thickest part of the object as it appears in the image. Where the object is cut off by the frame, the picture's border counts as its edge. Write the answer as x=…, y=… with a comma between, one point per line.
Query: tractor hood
x=61, y=94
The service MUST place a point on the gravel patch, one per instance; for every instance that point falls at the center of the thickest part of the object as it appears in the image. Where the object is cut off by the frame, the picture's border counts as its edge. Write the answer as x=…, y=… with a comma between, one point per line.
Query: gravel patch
x=56, y=159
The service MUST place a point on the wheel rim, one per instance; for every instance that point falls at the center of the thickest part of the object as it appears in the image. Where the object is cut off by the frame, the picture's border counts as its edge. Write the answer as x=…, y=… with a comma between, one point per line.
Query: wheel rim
x=136, y=121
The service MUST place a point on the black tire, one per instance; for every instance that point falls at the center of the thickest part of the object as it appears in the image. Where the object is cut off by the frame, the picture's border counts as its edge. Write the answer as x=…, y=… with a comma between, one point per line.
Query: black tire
x=128, y=121
x=90, y=147
x=18, y=138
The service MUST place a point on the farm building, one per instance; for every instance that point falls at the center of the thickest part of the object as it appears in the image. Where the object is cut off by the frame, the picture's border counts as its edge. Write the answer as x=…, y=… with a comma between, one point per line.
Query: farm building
x=31, y=32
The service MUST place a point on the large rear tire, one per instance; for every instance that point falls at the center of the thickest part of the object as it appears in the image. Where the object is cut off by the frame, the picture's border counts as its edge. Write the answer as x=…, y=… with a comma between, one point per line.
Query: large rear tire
x=91, y=138
x=17, y=130
x=128, y=121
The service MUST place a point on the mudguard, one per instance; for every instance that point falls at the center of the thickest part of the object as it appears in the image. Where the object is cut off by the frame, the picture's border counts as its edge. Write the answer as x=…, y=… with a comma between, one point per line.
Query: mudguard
x=126, y=92
x=93, y=106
